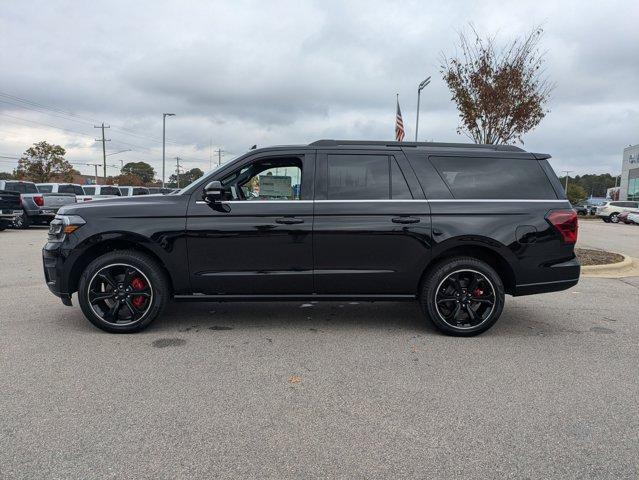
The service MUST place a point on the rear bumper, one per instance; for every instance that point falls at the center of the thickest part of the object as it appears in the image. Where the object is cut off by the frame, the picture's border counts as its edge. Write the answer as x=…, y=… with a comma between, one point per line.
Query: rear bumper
x=560, y=276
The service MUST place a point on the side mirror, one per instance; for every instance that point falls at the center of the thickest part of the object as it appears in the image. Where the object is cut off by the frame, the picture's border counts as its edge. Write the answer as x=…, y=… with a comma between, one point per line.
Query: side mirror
x=213, y=192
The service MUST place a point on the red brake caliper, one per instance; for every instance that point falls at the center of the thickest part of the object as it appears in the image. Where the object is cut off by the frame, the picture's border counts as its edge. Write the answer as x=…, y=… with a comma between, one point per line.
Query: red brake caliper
x=138, y=284
x=478, y=292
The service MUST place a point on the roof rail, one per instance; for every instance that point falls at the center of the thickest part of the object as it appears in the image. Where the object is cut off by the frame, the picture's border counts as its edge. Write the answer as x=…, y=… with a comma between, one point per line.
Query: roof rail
x=335, y=143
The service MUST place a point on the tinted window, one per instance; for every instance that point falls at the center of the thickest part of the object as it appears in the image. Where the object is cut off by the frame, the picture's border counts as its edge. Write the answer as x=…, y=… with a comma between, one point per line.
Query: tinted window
x=358, y=177
x=140, y=191
x=89, y=190
x=77, y=189
x=21, y=187
x=399, y=187
x=45, y=188
x=124, y=191
x=66, y=189
x=494, y=178
x=109, y=191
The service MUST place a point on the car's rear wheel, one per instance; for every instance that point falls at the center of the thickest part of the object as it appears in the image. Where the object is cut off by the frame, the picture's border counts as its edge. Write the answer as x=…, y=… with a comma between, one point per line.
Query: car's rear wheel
x=22, y=221
x=614, y=217
x=123, y=291
x=462, y=296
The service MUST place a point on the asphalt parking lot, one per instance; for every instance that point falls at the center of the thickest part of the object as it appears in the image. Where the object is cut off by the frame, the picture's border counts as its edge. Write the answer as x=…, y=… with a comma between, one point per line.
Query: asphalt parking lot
x=291, y=390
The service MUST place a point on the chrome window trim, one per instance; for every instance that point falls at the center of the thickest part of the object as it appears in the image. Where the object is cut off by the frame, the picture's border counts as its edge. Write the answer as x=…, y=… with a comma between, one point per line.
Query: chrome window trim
x=448, y=200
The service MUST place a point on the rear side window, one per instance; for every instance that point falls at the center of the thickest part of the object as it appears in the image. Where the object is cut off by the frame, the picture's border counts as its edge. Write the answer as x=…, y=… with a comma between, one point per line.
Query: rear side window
x=89, y=190
x=66, y=189
x=140, y=191
x=494, y=178
x=109, y=191
x=77, y=189
x=21, y=187
x=365, y=177
x=45, y=188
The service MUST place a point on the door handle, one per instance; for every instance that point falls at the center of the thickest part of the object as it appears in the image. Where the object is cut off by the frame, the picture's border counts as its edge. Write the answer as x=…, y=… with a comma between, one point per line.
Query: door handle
x=405, y=220
x=289, y=220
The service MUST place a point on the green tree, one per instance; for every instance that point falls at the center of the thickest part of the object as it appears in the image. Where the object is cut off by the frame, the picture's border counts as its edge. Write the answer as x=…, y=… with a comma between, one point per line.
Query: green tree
x=43, y=161
x=575, y=193
x=142, y=170
x=6, y=176
x=499, y=92
x=185, y=178
x=595, y=185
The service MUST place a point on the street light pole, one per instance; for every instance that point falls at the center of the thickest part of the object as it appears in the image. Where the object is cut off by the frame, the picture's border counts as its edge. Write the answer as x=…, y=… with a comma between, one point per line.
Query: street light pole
x=419, y=93
x=567, y=172
x=164, y=115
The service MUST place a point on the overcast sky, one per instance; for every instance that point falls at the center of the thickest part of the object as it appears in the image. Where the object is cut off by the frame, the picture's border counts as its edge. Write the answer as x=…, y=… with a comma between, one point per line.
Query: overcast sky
x=241, y=73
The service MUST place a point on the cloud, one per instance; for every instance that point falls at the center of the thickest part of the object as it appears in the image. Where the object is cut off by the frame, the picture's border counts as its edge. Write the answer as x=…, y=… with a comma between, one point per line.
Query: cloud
x=245, y=72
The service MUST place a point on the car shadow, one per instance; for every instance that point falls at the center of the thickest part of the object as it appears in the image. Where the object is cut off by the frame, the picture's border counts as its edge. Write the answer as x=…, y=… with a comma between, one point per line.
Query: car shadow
x=292, y=315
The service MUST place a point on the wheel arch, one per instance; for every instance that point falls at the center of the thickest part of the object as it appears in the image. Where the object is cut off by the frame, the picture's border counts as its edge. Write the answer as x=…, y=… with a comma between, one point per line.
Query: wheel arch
x=98, y=247
x=481, y=251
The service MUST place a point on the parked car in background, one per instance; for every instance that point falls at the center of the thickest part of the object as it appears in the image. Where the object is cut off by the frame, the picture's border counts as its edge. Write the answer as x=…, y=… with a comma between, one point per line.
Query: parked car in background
x=609, y=211
x=633, y=218
x=101, y=191
x=580, y=208
x=36, y=207
x=452, y=226
x=156, y=190
x=133, y=191
x=10, y=208
x=74, y=188
x=623, y=216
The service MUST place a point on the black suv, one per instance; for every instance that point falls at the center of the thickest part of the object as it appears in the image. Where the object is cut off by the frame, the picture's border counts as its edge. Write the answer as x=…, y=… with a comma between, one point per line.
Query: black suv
x=453, y=226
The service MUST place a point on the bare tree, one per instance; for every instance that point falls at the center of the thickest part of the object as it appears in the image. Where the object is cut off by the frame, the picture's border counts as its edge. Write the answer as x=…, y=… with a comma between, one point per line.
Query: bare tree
x=500, y=93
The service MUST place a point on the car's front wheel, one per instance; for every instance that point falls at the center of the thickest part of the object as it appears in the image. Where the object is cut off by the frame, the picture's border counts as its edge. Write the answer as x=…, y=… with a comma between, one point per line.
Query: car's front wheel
x=123, y=291
x=462, y=296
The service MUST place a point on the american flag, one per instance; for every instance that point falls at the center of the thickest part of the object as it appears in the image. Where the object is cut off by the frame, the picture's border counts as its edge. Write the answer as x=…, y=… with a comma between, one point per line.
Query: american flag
x=399, y=124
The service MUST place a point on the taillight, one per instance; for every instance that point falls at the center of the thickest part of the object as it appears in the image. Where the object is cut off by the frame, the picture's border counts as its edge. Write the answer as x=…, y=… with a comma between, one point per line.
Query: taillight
x=39, y=200
x=565, y=222
x=87, y=199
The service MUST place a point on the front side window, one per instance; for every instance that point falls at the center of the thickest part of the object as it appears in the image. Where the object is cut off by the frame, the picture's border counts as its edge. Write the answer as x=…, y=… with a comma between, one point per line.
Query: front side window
x=140, y=191
x=89, y=190
x=267, y=179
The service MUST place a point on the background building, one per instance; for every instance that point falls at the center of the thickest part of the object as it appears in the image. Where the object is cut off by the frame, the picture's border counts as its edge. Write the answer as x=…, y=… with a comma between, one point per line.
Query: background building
x=630, y=174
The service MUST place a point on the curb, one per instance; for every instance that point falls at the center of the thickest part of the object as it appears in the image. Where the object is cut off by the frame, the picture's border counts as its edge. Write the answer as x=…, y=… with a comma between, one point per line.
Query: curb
x=625, y=263
x=628, y=267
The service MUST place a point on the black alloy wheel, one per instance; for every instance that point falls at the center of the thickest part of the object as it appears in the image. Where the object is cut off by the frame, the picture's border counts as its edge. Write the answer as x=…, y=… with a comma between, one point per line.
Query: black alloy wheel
x=21, y=221
x=465, y=299
x=462, y=296
x=120, y=294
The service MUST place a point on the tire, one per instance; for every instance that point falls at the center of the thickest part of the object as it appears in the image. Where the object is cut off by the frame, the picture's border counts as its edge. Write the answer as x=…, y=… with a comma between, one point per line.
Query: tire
x=122, y=274
x=614, y=217
x=439, y=285
x=22, y=222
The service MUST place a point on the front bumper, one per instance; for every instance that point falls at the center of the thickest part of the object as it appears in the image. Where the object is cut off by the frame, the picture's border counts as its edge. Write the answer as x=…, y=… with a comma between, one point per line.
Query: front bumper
x=55, y=274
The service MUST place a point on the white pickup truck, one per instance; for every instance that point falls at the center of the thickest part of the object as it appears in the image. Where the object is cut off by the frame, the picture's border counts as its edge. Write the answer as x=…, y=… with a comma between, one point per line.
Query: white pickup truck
x=74, y=188
x=36, y=207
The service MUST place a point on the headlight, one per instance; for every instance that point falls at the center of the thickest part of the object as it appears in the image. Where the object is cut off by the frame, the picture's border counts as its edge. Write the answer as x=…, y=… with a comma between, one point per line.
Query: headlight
x=63, y=225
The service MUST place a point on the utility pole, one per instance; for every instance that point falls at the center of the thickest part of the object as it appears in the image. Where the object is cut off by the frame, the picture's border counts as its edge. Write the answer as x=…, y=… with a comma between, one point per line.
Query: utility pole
x=103, y=140
x=177, y=169
x=164, y=115
x=420, y=87
x=219, y=156
x=96, y=165
x=210, y=153
x=567, y=172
